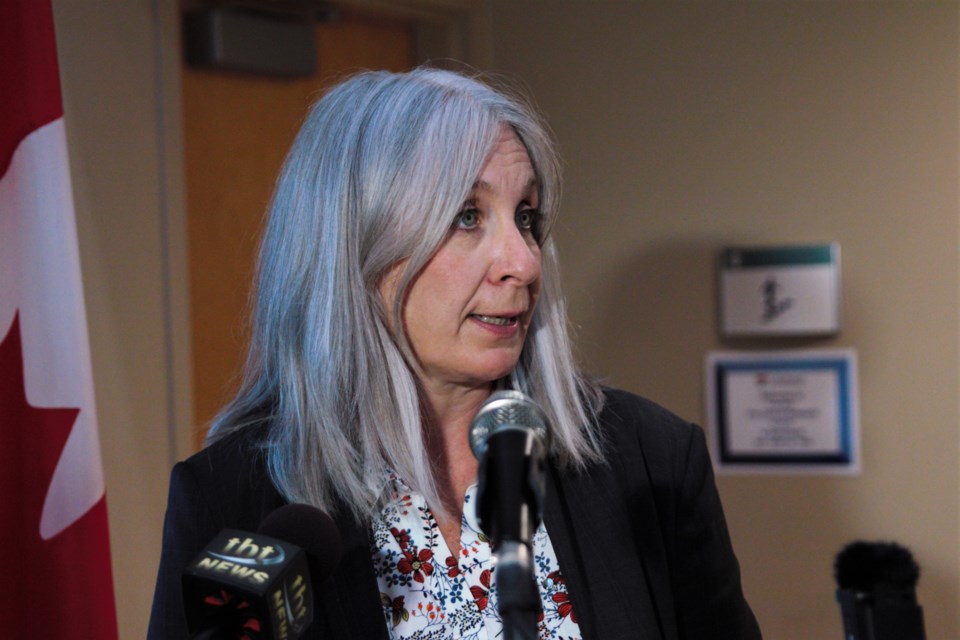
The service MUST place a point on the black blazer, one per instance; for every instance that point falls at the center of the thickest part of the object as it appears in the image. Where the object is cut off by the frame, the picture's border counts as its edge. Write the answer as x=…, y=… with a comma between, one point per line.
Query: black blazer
x=641, y=541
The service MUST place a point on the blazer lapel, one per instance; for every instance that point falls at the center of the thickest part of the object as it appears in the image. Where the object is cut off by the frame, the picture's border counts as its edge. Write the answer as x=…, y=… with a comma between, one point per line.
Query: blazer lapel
x=349, y=600
x=589, y=523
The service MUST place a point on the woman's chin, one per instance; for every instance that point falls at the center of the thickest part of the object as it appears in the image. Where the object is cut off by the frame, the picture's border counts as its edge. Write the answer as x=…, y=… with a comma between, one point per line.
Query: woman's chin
x=495, y=373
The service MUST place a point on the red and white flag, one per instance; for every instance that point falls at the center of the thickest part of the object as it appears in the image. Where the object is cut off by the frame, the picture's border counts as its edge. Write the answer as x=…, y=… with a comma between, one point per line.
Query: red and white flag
x=56, y=580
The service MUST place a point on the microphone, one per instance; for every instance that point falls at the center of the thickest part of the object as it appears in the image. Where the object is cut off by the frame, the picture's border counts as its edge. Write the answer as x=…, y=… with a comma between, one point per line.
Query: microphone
x=257, y=586
x=877, y=592
x=508, y=436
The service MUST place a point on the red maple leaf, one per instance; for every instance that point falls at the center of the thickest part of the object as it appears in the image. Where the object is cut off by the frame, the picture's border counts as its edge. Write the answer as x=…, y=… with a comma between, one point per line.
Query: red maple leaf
x=56, y=588
x=28, y=70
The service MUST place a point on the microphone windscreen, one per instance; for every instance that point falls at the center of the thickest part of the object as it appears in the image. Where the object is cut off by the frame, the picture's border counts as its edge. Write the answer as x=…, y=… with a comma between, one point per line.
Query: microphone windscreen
x=502, y=408
x=310, y=529
x=863, y=566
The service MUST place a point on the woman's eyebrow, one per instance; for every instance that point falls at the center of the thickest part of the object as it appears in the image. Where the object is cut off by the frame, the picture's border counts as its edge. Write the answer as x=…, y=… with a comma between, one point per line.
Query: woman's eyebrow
x=483, y=185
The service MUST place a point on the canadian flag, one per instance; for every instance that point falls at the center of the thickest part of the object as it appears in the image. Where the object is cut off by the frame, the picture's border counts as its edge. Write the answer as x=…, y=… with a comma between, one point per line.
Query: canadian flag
x=56, y=580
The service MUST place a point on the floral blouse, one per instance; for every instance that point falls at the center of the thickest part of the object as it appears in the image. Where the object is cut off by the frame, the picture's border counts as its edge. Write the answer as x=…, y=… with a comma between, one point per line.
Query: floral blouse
x=428, y=593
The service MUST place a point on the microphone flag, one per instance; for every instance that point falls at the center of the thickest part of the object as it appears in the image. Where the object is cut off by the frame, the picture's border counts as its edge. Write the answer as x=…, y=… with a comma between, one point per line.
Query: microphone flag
x=56, y=562
x=249, y=585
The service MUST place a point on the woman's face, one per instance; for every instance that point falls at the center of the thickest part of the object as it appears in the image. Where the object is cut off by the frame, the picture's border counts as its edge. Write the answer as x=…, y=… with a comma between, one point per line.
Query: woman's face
x=467, y=312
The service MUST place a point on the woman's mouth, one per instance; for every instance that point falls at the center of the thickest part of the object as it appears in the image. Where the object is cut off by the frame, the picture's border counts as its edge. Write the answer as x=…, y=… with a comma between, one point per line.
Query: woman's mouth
x=500, y=321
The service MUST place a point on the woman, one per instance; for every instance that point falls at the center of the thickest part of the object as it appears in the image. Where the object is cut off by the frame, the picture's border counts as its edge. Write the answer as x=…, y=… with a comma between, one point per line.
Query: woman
x=406, y=271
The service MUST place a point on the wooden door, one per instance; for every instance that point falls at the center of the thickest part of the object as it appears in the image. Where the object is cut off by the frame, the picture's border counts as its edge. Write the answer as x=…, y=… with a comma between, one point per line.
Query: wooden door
x=237, y=129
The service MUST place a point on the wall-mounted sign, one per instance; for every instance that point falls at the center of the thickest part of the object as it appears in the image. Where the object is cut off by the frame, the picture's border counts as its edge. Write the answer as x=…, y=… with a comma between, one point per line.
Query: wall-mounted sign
x=783, y=411
x=780, y=291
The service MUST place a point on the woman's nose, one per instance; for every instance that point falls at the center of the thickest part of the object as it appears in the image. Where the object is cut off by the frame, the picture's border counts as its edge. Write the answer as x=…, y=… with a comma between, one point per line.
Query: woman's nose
x=516, y=255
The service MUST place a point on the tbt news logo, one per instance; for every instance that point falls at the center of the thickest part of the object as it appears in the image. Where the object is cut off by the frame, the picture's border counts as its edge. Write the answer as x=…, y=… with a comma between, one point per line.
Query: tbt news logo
x=245, y=560
x=265, y=578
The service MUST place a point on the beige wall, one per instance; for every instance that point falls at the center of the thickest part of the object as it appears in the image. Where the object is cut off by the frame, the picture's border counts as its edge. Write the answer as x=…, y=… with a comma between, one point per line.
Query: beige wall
x=684, y=128
x=689, y=126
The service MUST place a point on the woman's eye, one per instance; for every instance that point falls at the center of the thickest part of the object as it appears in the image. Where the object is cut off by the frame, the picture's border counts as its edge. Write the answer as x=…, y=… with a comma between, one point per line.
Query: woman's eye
x=468, y=219
x=527, y=220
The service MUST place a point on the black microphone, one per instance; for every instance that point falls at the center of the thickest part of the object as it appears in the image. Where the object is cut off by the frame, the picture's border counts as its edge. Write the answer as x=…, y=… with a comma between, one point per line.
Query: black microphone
x=257, y=586
x=877, y=592
x=508, y=436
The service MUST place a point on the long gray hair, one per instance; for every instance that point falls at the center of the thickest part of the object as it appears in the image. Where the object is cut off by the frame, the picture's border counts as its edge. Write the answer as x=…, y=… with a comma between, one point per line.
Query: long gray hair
x=376, y=175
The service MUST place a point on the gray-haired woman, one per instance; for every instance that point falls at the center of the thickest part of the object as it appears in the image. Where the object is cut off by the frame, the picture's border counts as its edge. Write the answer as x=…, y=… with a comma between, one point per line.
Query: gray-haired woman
x=406, y=271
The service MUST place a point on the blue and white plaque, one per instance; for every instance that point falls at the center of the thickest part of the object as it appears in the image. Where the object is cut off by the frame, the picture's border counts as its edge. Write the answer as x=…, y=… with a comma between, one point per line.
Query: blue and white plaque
x=792, y=411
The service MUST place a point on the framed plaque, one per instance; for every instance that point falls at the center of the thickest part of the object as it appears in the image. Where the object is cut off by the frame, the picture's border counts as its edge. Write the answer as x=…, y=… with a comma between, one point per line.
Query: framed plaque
x=793, y=411
x=780, y=291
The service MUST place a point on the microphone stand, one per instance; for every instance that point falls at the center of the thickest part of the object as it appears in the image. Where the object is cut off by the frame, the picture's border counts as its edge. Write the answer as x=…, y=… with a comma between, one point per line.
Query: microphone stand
x=519, y=598
x=507, y=437
x=514, y=514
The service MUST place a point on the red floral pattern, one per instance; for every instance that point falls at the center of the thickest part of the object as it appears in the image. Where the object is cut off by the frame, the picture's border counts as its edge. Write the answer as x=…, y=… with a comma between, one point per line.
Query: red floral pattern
x=458, y=599
x=481, y=595
x=416, y=563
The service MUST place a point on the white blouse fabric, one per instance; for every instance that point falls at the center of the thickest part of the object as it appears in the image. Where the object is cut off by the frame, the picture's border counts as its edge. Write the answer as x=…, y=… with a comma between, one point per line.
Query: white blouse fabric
x=428, y=593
